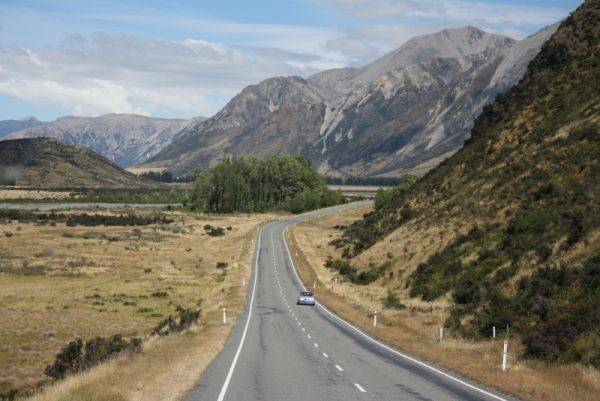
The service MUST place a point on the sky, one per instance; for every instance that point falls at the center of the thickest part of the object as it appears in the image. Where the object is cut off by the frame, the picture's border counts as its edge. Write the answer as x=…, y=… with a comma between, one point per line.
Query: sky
x=181, y=59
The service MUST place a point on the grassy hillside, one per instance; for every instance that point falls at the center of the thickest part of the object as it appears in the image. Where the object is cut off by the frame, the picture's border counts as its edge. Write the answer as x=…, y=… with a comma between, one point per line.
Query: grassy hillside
x=508, y=229
x=46, y=162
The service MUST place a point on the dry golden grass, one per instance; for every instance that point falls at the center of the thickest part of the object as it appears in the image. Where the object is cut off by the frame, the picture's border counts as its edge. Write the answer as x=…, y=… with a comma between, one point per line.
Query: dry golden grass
x=94, y=281
x=140, y=170
x=8, y=194
x=415, y=329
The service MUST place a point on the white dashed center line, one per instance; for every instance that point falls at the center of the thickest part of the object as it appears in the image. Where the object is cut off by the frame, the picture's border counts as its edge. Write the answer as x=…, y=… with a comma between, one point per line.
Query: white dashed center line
x=316, y=345
x=338, y=367
x=360, y=388
x=325, y=355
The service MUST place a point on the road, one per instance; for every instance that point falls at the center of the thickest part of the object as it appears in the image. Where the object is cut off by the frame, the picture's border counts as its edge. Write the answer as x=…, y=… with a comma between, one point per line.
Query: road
x=281, y=351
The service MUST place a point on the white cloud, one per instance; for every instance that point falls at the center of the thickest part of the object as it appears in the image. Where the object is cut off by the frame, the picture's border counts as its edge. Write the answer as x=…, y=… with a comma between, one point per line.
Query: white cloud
x=452, y=10
x=131, y=74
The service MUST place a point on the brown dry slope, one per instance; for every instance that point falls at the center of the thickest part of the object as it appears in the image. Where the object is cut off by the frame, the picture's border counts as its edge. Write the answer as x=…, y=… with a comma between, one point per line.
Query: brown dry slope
x=47, y=162
x=508, y=229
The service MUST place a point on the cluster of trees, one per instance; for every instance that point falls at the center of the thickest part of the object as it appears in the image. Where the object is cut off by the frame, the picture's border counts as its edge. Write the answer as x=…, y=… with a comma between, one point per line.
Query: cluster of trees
x=166, y=176
x=379, y=181
x=248, y=184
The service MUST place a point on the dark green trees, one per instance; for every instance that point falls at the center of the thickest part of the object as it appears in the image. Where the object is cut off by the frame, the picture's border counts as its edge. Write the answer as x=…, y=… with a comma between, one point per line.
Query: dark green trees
x=248, y=184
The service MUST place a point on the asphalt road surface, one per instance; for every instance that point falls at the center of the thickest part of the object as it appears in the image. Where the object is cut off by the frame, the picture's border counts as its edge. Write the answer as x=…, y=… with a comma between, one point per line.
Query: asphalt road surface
x=281, y=351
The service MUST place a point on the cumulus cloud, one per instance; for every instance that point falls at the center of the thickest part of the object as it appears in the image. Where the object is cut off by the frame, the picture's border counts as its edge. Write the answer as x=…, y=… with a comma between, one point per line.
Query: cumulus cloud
x=130, y=74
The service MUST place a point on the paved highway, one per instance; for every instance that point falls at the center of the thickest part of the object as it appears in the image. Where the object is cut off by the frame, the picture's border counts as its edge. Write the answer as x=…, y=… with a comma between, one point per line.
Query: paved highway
x=281, y=351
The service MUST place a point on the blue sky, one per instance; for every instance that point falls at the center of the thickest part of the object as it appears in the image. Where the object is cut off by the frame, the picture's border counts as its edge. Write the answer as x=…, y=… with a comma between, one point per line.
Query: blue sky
x=187, y=58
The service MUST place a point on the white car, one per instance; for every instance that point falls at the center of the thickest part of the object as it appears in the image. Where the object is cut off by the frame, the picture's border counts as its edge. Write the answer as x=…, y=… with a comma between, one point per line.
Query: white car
x=306, y=298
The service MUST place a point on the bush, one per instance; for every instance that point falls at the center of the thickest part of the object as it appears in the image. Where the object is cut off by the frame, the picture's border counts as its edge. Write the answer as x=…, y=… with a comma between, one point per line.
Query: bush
x=392, y=301
x=214, y=231
x=351, y=273
x=77, y=357
x=181, y=321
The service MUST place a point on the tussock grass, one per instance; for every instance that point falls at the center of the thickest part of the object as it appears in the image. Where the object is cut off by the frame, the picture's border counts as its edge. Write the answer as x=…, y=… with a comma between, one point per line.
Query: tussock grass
x=92, y=286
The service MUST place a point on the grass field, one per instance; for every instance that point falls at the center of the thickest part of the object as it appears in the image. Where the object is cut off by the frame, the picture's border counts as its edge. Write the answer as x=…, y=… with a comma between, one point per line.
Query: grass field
x=58, y=283
x=416, y=327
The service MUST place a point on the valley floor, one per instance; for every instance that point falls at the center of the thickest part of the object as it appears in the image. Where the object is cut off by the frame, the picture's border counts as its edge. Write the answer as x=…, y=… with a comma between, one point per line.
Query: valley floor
x=415, y=329
x=60, y=282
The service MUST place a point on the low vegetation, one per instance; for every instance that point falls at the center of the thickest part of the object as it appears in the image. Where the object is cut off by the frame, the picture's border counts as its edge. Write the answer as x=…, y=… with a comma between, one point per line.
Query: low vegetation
x=77, y=356
x=166, y=195
x=62, y=282
x=83, y=219
x=249, y=184
x=353, y=275
x=374, y=181
x=384, y=196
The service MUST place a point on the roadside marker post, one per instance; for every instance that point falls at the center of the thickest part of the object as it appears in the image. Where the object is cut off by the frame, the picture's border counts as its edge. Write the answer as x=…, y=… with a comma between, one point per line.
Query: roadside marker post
x=224, y=316
x=505, y=356
x=441, y=333
x=493, y=331
x=375, y=319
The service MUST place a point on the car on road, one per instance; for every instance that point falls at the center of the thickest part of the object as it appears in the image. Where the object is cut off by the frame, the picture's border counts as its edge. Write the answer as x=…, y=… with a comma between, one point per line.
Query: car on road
x=306, y=298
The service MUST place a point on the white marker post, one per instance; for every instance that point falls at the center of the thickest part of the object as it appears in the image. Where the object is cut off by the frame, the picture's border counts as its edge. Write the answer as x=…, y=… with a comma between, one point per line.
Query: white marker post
x=441, y=333
x=493, y=331
x=375, y=319
x=224, y=316
x=314, y=285
x=505, y=356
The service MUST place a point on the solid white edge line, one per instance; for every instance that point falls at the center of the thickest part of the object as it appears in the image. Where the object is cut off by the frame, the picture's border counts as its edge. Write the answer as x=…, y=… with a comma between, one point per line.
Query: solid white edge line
x=423, y=364
x=360, y=388
x=239, y=350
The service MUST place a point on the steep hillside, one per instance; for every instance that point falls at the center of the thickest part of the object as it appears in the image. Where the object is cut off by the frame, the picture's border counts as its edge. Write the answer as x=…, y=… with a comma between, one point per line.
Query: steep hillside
x=9, y=126
x=125, y=139
x=277, y=116
x=48, y=162
x=508, y=229
x=404, y=112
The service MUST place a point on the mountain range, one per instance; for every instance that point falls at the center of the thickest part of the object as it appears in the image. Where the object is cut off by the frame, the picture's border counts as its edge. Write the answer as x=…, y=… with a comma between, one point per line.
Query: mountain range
x=125, y=139
x=9, y=126
x=405, y=112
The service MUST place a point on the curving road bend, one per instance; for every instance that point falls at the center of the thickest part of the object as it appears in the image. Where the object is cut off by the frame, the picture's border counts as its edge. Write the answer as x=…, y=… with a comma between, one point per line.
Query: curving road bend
x=281, y=351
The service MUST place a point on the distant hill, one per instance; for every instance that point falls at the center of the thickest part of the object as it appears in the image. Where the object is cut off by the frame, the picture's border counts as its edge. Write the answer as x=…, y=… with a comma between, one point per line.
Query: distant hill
x=125, y=139
x=508, y=229
x=48, y=162
x=10, y=126
x=405, y=112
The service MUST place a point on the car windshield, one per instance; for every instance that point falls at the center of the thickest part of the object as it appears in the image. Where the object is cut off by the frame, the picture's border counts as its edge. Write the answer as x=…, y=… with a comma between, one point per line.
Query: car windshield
x=306, y=294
